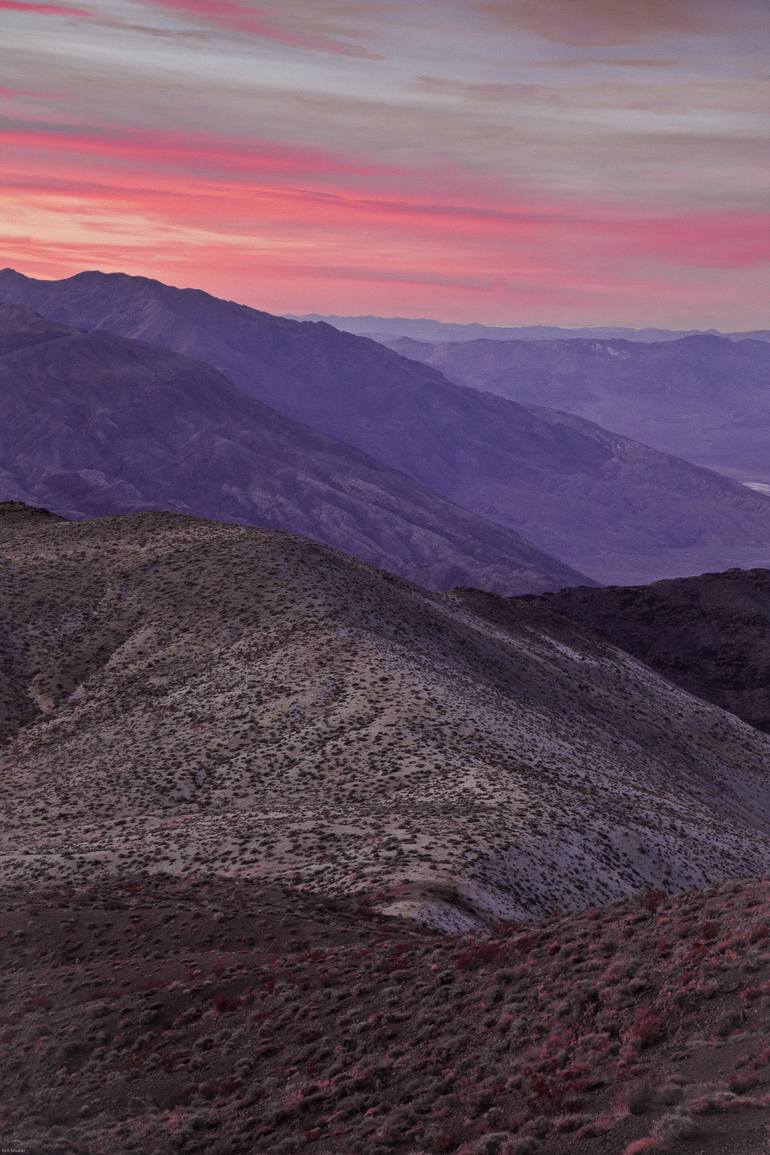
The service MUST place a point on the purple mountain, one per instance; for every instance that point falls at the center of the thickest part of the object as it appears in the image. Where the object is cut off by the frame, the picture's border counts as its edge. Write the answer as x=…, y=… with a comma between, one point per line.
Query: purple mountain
x=704, y=398
x=92, y=424
x=609, y=506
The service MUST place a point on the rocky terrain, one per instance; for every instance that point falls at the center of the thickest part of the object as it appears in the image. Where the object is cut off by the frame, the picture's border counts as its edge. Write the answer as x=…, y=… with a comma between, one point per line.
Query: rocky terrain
x=606, y=505
x=297, y=857
x=704, y=397
x=185, y=696
x=154, y=1014
x=93, y=424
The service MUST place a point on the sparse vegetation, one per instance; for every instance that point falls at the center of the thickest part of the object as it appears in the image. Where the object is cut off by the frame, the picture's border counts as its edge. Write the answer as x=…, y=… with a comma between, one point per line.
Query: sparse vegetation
x=298, y=858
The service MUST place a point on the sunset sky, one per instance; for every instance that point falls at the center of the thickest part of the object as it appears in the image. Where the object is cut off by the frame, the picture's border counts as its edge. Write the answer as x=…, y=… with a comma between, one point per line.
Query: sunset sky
x=506, y=161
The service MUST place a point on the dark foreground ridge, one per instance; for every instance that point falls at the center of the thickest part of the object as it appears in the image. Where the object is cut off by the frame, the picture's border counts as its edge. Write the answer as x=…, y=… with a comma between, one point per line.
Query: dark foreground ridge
x=226, y=1018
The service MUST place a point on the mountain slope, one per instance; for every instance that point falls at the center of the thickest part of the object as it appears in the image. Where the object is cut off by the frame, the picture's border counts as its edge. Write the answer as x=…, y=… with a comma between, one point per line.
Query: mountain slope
x=606, y=505
x=191, y=697
x=709, y=634
x=221, y=1017
x=91, y=423
x=704, y=398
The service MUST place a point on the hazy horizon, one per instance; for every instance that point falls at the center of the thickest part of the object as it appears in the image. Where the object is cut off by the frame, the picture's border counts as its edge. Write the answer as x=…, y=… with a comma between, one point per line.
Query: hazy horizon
x=365, y=314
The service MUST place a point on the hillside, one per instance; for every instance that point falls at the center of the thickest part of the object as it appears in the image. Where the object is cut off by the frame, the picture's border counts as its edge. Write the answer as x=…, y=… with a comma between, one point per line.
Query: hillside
x=230, y=1018
x=191, y=697
x=607, y=506
x=93, y=424
x=704, y=398
x=709, y=634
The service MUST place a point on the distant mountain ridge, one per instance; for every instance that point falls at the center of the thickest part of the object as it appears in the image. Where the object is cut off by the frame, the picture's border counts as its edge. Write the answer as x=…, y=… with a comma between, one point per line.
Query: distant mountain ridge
x=704, y=397
x=608, y=506
x=93, y=424
x=425, y=329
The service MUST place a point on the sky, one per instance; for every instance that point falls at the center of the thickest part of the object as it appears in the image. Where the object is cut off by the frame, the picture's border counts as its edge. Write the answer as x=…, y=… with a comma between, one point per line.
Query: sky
x=505, y=161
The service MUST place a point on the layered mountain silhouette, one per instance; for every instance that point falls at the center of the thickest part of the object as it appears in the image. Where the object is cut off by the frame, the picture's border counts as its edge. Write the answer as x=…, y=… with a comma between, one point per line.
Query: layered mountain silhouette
x=93, y=423
x=705, y=398
x=424, y=329
x=608, y=506
x=183, y=696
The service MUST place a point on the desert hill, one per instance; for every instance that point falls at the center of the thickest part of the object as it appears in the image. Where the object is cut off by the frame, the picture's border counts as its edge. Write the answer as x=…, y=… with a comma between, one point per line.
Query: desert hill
x=608, y=506
x=94, y=424
x=185, y=696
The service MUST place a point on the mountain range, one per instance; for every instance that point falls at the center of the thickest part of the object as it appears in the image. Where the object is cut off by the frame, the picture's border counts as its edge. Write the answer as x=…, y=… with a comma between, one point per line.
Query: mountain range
x=704, y=398
x=425, y=329
x=92, y=423
x=603, y=504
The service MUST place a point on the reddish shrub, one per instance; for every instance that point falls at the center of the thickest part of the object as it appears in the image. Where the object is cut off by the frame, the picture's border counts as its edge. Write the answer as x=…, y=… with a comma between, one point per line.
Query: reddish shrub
x=226, y=1003
x=742, y=1083
x=394, y=962
x=547, y=1095
x=651, y=900
x=647, y=1028
x=478, y=954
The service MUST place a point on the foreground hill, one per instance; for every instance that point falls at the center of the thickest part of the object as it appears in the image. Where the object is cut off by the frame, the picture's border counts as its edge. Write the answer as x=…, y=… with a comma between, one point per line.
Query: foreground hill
x=704, y=398
x=709, y=634
x=92, y=424
x=608, y=506
x=229, y=1018
x=189, y=697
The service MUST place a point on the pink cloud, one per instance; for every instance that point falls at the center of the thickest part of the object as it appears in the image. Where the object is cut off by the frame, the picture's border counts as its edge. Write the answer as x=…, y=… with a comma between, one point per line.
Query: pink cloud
x=281, y=284
x=194, y=152
x=233, y=213
x=295, y=196
x=7, y=93
x=43, y=9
